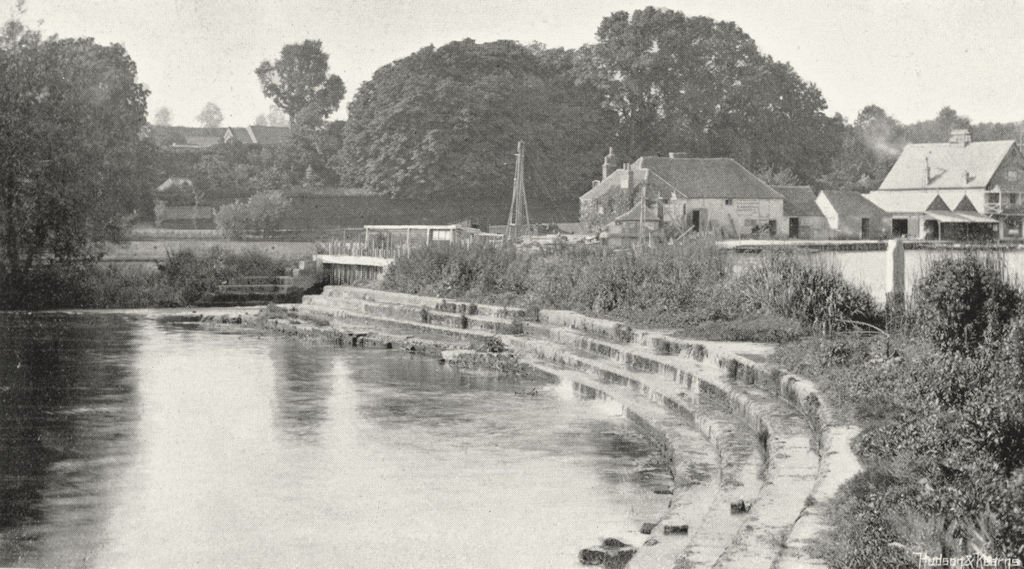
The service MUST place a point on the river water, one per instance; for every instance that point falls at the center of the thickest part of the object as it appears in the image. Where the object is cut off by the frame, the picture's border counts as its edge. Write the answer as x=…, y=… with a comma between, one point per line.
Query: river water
x=126, y=442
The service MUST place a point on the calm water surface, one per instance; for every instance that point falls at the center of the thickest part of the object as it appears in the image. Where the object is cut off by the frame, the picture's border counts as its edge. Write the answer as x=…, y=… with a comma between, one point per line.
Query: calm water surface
x=132, y=443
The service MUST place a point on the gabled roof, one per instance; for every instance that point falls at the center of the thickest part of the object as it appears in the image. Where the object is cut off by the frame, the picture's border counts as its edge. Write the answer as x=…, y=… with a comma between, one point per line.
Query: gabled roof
x=271, y=135
x=938, y=204
x=848, y=203
x=239, y=134
x=649, y=214
x=174, y=183
x=943, y=165
x=901, y=202
x=612, y=182
x=798, y=201
x=965, y=206
x=721, y=178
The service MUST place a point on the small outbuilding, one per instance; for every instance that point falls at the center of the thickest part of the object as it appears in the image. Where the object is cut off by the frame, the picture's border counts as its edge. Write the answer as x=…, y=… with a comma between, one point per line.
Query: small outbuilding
x=802, y=216
x=851, y=216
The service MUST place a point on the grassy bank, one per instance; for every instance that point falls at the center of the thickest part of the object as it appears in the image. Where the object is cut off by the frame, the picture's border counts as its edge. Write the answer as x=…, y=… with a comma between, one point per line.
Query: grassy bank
x=940, y=397
x=692, y=287
x=184, y=278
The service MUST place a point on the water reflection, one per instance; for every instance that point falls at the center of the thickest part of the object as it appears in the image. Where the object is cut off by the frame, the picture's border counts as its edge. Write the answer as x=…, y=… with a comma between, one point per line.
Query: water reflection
x=143, y=445
x=67, y=412
x=302, y=387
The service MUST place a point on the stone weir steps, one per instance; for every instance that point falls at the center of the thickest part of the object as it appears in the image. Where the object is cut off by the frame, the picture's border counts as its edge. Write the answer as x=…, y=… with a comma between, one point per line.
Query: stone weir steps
x=752, y=449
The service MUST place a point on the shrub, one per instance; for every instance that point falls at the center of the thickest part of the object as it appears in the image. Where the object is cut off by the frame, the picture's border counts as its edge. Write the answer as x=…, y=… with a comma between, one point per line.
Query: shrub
x=963, y=301
x=262, y=213
x=788, y=285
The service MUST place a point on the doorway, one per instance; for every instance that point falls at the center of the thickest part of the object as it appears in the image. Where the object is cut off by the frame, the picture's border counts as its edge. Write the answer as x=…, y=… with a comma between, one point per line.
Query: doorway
x=794, y=227
x=695, y=219
x=865, y=227
x=900, y=228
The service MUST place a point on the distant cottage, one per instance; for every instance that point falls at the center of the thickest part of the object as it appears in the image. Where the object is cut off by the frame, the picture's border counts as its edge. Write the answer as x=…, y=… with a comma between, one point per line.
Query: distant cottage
x=715, y=195
x=959, y=189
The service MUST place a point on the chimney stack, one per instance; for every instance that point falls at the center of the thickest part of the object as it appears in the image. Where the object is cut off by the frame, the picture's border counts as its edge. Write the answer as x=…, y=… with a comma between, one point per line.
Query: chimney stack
x=609, y=163
x=960, y=137
x=927, y=171
x=627, y=180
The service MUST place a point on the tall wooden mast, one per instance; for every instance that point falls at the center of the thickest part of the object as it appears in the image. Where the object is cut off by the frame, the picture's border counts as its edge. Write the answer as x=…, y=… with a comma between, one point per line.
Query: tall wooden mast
x=518, y=215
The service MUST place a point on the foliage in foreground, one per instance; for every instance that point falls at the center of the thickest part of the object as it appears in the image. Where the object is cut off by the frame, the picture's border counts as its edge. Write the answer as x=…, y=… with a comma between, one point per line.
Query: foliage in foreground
x=262, y=213
x=942, y=407
x=72, y=111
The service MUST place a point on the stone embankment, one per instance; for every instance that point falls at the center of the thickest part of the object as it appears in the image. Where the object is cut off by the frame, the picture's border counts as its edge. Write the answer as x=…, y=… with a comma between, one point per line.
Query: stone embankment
x=755, y=453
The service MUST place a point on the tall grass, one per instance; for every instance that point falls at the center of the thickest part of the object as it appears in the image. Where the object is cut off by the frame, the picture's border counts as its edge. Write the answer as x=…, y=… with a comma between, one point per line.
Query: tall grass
x=792, y=285
x=677, y=286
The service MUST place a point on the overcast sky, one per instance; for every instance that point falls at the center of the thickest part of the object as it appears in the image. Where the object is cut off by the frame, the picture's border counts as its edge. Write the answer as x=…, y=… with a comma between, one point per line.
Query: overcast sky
x=911, y=58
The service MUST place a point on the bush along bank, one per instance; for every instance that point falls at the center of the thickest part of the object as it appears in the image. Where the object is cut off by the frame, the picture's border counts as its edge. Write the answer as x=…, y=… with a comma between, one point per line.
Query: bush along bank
x=782, y=295
x=941, y=400
x=186, y=278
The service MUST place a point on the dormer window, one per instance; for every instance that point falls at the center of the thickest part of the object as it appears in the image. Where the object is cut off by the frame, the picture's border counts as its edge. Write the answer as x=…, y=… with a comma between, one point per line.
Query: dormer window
x=1011, y=175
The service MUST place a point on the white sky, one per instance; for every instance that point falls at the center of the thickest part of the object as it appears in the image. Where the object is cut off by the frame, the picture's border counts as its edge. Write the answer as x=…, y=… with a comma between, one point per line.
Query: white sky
x=910, y=57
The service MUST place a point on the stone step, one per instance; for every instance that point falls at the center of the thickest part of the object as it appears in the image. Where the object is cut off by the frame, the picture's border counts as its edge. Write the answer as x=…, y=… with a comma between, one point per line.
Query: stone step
x=430, y=302
x=688, y=378
x=261, y=280
x=704, y=509
x=420, y=314
x=350, y=315
x=793, y=465
x=252, y=289
x=425, y=314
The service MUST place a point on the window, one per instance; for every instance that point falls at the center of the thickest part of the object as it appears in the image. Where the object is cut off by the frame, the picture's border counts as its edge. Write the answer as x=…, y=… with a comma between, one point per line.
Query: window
x=728, y=202
x=1011, y=175
x=1011, y=199
x=1012, y=227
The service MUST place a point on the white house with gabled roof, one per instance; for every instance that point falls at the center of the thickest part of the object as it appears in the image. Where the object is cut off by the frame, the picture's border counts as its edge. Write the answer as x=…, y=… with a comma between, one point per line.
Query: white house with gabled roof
x=959, y=189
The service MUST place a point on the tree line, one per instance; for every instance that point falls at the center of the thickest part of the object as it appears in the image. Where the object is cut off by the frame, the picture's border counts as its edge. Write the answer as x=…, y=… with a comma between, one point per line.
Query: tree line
x=441, y=122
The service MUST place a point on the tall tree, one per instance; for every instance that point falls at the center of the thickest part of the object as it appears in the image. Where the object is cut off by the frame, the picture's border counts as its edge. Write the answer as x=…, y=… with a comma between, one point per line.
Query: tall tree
x=299, y=82
x=210, y=116
x=702, y=86
x=162, y=117
x=70, y=116
x=445, y=122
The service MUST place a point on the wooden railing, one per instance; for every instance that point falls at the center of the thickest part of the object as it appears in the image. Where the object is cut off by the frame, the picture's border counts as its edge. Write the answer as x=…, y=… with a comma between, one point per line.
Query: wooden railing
x=358, y=249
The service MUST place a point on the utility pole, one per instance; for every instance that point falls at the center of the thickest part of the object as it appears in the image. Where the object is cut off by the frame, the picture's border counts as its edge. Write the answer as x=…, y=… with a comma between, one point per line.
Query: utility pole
x=518, y=215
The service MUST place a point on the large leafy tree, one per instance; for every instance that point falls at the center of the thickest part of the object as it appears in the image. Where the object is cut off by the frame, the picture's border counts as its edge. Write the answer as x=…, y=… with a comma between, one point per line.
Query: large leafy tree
x=299, y=83
x=211, y=116
x=702, y=86
x=70, y=116
x=445, y=122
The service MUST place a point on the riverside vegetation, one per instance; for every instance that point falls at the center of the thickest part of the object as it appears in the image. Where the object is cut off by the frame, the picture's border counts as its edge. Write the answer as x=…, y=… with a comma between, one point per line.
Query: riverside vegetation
x=937, y=385
x=185, y=278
